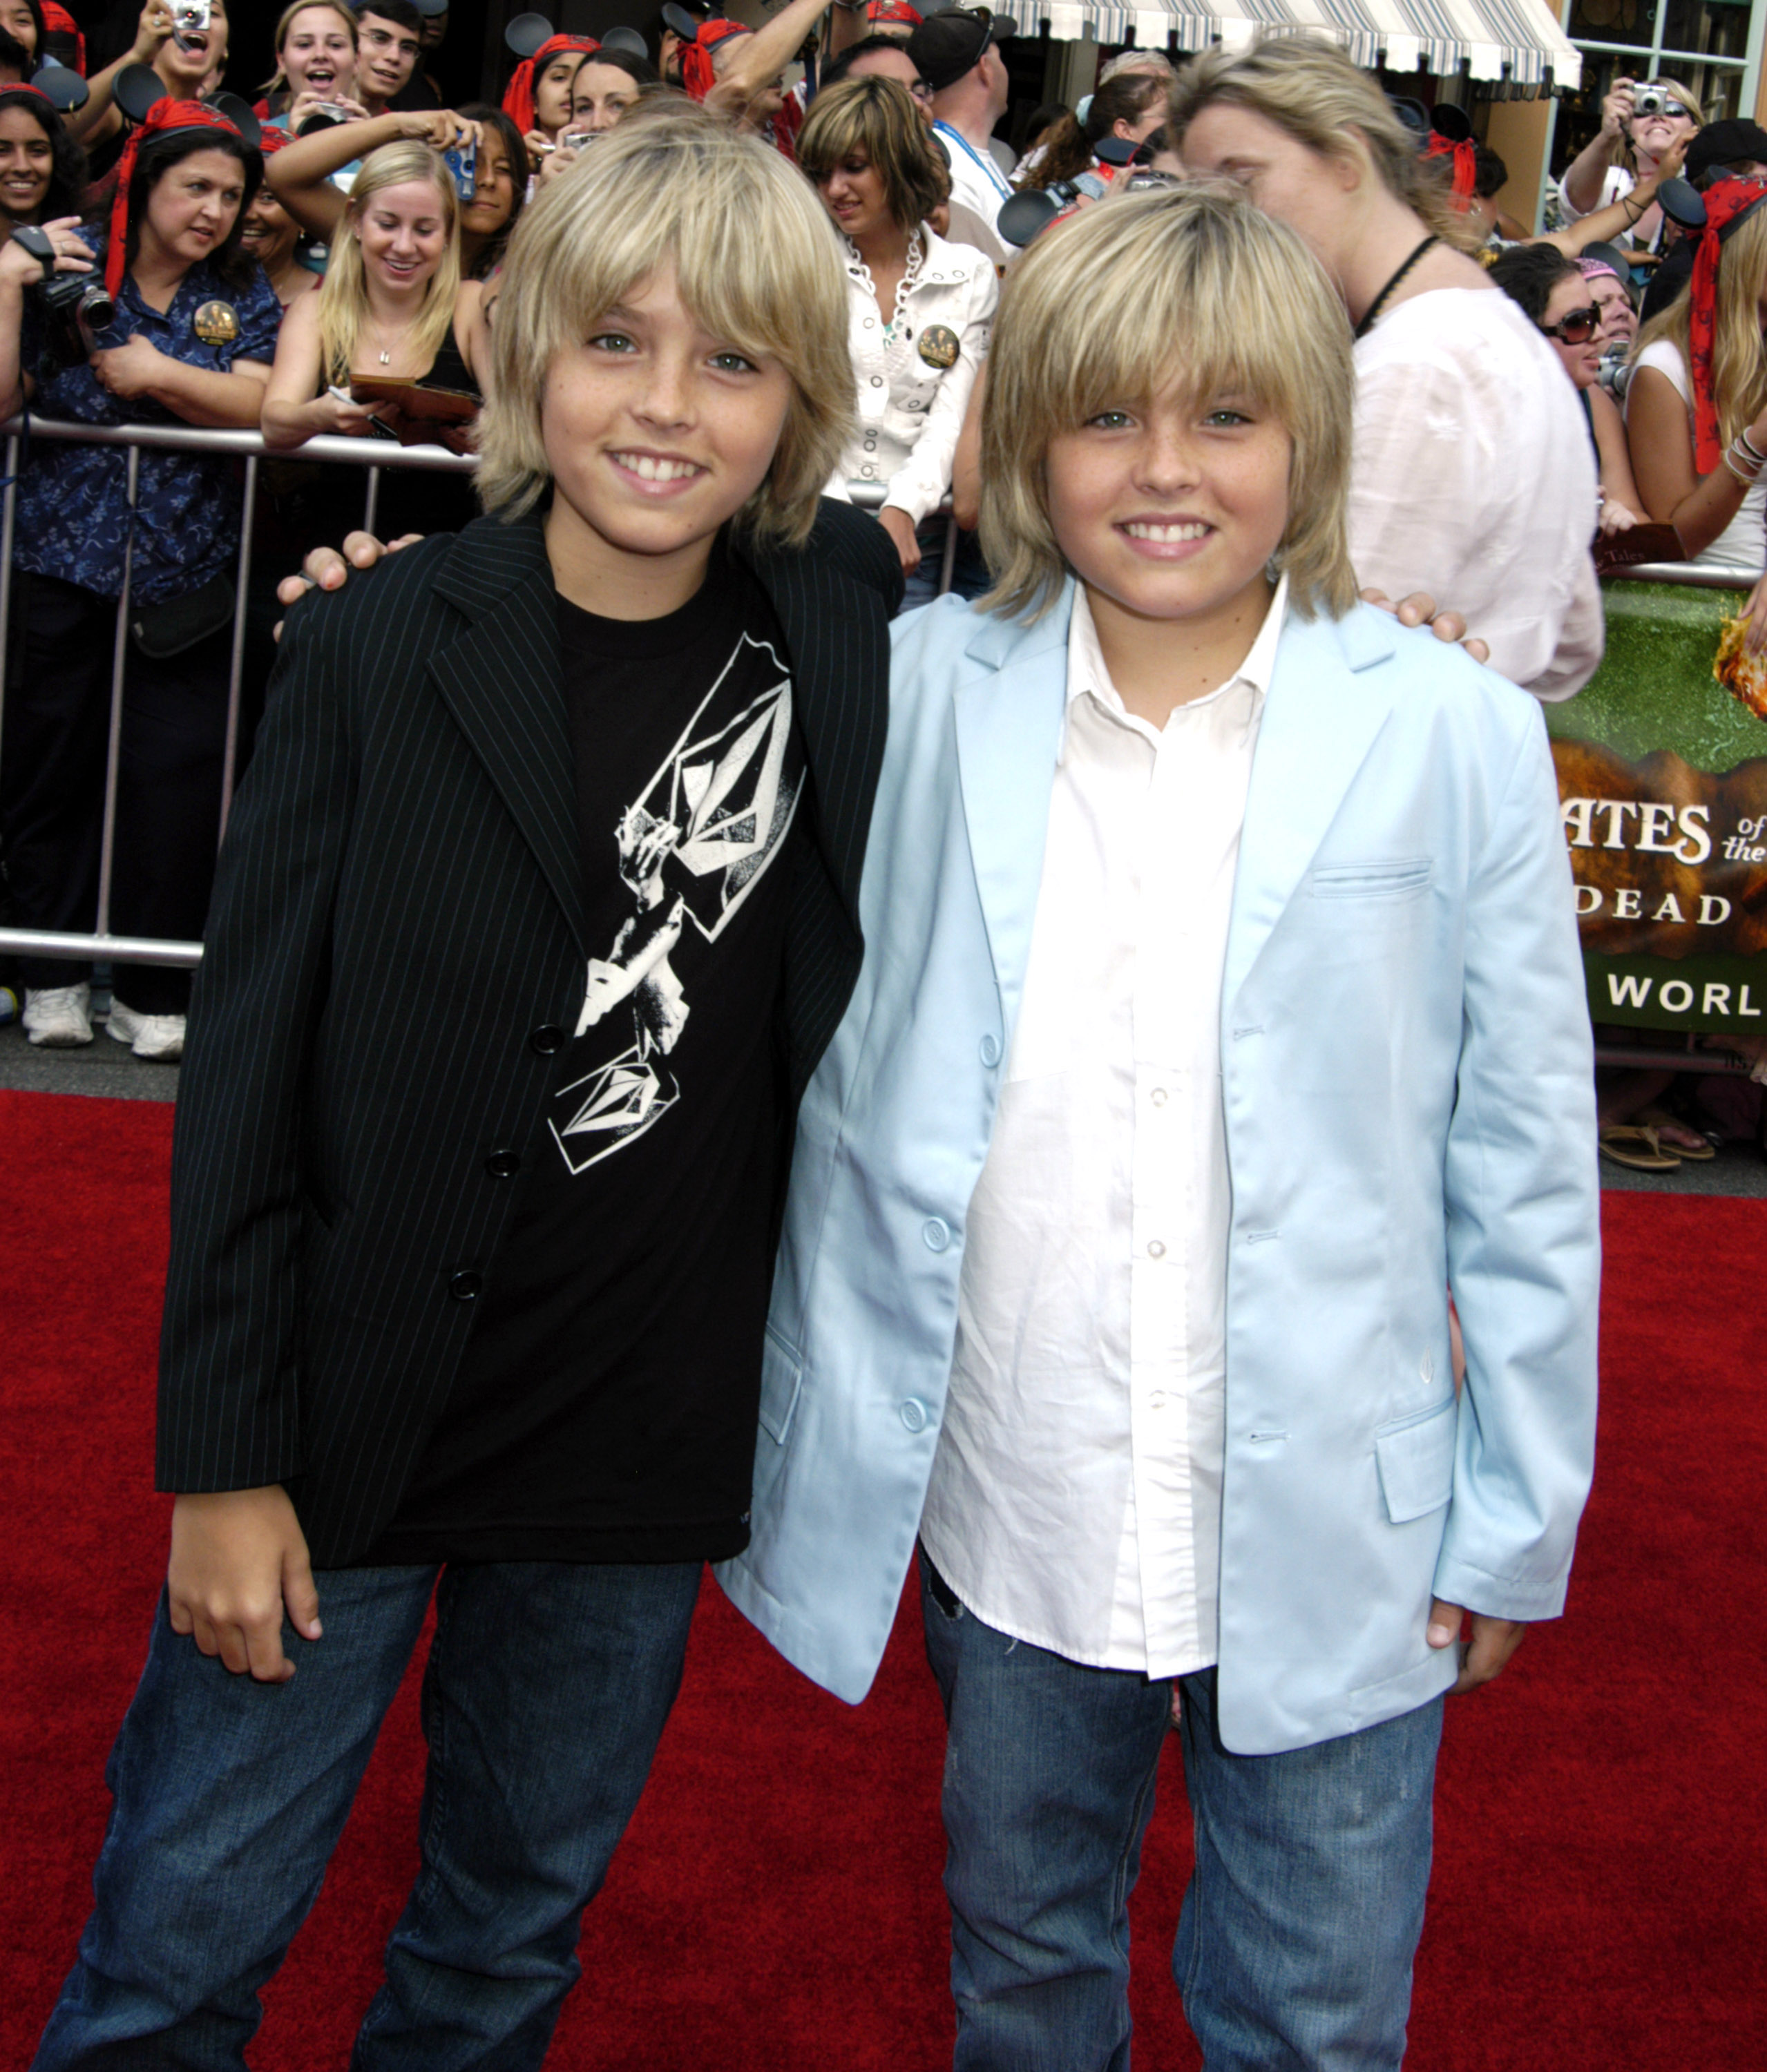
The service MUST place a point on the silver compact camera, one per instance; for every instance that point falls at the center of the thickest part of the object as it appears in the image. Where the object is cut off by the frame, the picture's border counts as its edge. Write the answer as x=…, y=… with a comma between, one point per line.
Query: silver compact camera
x=1653, y=101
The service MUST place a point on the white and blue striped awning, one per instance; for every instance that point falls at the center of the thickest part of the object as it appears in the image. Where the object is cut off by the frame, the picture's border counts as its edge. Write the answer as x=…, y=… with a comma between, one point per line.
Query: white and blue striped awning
x=1516, y=39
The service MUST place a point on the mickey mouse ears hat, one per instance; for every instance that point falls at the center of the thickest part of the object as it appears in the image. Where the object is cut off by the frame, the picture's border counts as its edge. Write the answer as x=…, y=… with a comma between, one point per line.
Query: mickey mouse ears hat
x=950, y=44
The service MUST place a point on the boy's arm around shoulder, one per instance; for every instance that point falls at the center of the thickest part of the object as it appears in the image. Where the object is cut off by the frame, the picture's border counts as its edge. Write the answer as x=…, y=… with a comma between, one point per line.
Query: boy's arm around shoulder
x=228, y=1396
x=1522, y=1199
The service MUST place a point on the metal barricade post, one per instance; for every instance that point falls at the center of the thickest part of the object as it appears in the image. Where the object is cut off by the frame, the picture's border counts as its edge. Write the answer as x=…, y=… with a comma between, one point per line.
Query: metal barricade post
x=100, y=944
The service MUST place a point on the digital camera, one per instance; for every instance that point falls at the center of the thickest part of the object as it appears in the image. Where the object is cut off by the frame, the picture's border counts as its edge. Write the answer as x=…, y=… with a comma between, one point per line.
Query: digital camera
x=1654, y=100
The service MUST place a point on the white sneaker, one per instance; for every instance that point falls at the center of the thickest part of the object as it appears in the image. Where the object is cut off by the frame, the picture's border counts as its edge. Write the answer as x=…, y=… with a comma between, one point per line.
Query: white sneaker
x=159, y=1037
x=58, y=1017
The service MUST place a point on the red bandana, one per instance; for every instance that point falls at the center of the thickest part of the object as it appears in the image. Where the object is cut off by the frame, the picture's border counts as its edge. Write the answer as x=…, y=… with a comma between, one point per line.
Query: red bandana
x=697, y=75
x=518, y=95
x=1725, y=201
x=892, y=10
x=1465, y=160
x=60, y=21
x=166, y=114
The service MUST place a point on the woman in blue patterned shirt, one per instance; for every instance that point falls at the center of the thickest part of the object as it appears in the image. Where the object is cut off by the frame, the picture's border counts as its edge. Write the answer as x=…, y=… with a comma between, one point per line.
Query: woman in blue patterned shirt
x=192, y=338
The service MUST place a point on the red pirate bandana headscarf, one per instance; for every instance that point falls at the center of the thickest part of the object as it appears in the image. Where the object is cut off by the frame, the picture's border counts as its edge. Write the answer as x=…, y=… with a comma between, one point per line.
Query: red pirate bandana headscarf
x=518, y=95
x=697, y=75
x=59, y=22
x=164, y=115
x=1465, y=158
x=1727, y=202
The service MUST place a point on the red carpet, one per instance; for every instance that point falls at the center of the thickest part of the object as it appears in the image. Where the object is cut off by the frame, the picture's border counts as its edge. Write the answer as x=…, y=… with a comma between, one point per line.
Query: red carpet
x=1600, y=1898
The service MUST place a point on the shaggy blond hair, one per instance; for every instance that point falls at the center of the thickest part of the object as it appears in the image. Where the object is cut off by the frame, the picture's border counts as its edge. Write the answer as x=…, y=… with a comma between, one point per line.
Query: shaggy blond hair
x=1738, y=367
x=1192, y=285
x=343, y=301
x=755, y=259
x=1309, y=89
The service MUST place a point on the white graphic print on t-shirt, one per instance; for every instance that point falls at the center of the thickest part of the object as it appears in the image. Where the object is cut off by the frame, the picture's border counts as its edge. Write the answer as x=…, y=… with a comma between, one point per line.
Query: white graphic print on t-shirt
x=691, y=848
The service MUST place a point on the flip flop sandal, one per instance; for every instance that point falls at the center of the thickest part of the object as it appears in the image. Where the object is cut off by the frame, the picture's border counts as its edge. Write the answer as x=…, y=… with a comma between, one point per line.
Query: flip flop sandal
x=1659, y=1118
x=1629, y=1144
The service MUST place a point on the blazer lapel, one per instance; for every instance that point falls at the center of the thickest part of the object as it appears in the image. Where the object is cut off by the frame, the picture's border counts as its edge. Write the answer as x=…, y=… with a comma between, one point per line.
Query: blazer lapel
x=834, y=627
x=1010, y=719
x=1326, y=703
x=501, y=680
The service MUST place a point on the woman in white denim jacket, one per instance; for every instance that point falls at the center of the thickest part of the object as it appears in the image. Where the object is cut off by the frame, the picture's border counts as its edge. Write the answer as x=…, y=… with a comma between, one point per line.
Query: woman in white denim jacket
x=922, y=310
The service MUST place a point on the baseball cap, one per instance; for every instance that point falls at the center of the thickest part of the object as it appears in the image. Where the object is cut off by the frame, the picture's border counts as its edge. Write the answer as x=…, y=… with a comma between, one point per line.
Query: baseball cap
x=949, y=43
x=1727, y=143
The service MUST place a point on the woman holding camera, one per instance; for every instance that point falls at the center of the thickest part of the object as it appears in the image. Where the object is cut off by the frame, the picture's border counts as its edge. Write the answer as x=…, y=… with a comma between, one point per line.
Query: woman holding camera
x=191, y=332
x=315, y=66
x=537, y=98
x=921, y=309
x=302, y=174
x=182, y=61
x=1640, y=126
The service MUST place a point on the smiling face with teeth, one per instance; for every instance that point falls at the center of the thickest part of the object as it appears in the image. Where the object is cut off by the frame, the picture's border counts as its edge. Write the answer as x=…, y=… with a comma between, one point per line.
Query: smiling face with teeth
x=318, y=53
x=657, y=432
x=1169, y=509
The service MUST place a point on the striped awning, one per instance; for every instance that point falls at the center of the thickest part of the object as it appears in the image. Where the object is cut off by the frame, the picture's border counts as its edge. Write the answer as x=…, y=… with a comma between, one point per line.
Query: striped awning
x=1515, y=39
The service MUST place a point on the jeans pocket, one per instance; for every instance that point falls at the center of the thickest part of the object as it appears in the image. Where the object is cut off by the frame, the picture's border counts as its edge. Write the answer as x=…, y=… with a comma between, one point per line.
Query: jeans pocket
x=940, y=1591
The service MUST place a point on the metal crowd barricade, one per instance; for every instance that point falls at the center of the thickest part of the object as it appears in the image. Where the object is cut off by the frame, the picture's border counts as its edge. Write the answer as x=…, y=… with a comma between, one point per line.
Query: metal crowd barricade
x=371, y=454
x=1656, y=696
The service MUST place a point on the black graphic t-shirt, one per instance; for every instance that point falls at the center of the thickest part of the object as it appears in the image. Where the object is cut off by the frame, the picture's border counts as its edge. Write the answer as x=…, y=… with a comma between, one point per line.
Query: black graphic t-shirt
x=606, y=1407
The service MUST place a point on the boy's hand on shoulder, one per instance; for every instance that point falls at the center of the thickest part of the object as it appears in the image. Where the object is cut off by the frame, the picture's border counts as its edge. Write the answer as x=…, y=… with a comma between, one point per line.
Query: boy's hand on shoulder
x=1419, y=610
x=328, y=568
x=238, y=1556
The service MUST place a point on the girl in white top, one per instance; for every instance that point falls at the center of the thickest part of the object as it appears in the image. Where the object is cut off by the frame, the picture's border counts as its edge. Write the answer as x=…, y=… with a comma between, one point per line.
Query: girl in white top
x=1599, y=174
x=1472, y=478
x=921, y=308
x=1705, y=481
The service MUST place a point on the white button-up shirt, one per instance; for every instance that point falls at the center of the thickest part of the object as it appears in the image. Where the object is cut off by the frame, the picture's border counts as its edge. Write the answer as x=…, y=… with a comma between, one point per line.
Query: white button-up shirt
x=911, y=407
x=1075, y=1501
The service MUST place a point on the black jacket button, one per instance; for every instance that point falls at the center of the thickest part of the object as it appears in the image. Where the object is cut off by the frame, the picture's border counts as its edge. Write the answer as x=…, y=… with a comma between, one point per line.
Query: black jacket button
x=504, y=1164
x=548, y=1039
x=466, y=1287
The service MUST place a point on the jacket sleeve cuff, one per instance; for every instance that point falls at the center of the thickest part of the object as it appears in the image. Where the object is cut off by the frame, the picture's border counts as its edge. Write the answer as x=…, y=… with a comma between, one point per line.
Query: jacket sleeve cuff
x=1458, y=1582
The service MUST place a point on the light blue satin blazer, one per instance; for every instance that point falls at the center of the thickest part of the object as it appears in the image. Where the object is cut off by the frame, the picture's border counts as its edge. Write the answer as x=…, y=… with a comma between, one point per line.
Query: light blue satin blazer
x=1408, y=1079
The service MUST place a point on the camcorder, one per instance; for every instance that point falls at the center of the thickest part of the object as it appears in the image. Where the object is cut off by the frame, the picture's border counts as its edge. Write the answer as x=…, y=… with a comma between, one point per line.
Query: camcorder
x=78, y=310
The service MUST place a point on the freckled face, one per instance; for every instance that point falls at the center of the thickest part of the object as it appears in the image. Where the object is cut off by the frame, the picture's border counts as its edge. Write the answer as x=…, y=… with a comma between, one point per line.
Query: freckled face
x=1172, y=507
x=656, y=430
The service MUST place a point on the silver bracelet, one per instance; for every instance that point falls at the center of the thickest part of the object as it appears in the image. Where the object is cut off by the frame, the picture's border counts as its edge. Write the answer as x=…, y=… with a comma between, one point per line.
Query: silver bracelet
x=1748, y=477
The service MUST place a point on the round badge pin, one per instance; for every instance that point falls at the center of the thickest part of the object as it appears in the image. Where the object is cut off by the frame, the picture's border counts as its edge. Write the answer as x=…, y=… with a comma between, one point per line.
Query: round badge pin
x=216, y=324
x=938, y=346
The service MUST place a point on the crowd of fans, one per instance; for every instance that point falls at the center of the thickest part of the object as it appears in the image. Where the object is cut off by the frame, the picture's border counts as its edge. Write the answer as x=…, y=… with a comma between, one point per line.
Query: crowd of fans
x=323, y=259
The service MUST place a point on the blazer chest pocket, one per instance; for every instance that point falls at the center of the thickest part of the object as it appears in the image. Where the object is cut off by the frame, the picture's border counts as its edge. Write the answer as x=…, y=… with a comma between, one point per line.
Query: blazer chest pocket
x=1416, y=1458
x=782, y=1375
x=1381, y=878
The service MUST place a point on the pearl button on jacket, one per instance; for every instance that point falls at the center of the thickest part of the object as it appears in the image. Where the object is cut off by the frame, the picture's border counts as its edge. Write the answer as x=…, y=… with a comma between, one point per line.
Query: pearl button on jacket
x=910, y=409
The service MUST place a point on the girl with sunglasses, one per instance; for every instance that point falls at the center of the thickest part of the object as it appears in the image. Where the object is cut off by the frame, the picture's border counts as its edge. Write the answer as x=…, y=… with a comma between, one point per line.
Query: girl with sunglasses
x=1551, y=292
x=1696, y=405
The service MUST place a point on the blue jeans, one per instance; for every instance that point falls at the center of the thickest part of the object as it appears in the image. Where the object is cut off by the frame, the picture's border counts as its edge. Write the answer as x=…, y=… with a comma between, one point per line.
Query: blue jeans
x=545, y=1691
x=1302, y=1916
x=970, y=574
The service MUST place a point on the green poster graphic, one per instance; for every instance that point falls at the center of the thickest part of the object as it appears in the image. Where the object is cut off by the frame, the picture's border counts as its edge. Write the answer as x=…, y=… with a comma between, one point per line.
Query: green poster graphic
x=1662, y=779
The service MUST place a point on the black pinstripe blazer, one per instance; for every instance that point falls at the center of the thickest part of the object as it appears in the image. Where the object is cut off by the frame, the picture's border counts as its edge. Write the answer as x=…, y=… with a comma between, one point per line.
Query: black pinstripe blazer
x=395, y=948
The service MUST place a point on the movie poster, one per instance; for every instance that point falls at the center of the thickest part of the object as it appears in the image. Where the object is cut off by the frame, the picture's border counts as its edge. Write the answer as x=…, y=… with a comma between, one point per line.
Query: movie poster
x=1662, y=780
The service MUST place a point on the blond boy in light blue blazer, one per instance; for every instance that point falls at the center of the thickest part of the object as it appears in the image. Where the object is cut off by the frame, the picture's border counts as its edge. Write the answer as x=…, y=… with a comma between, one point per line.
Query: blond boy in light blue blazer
x=1221, y=1012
